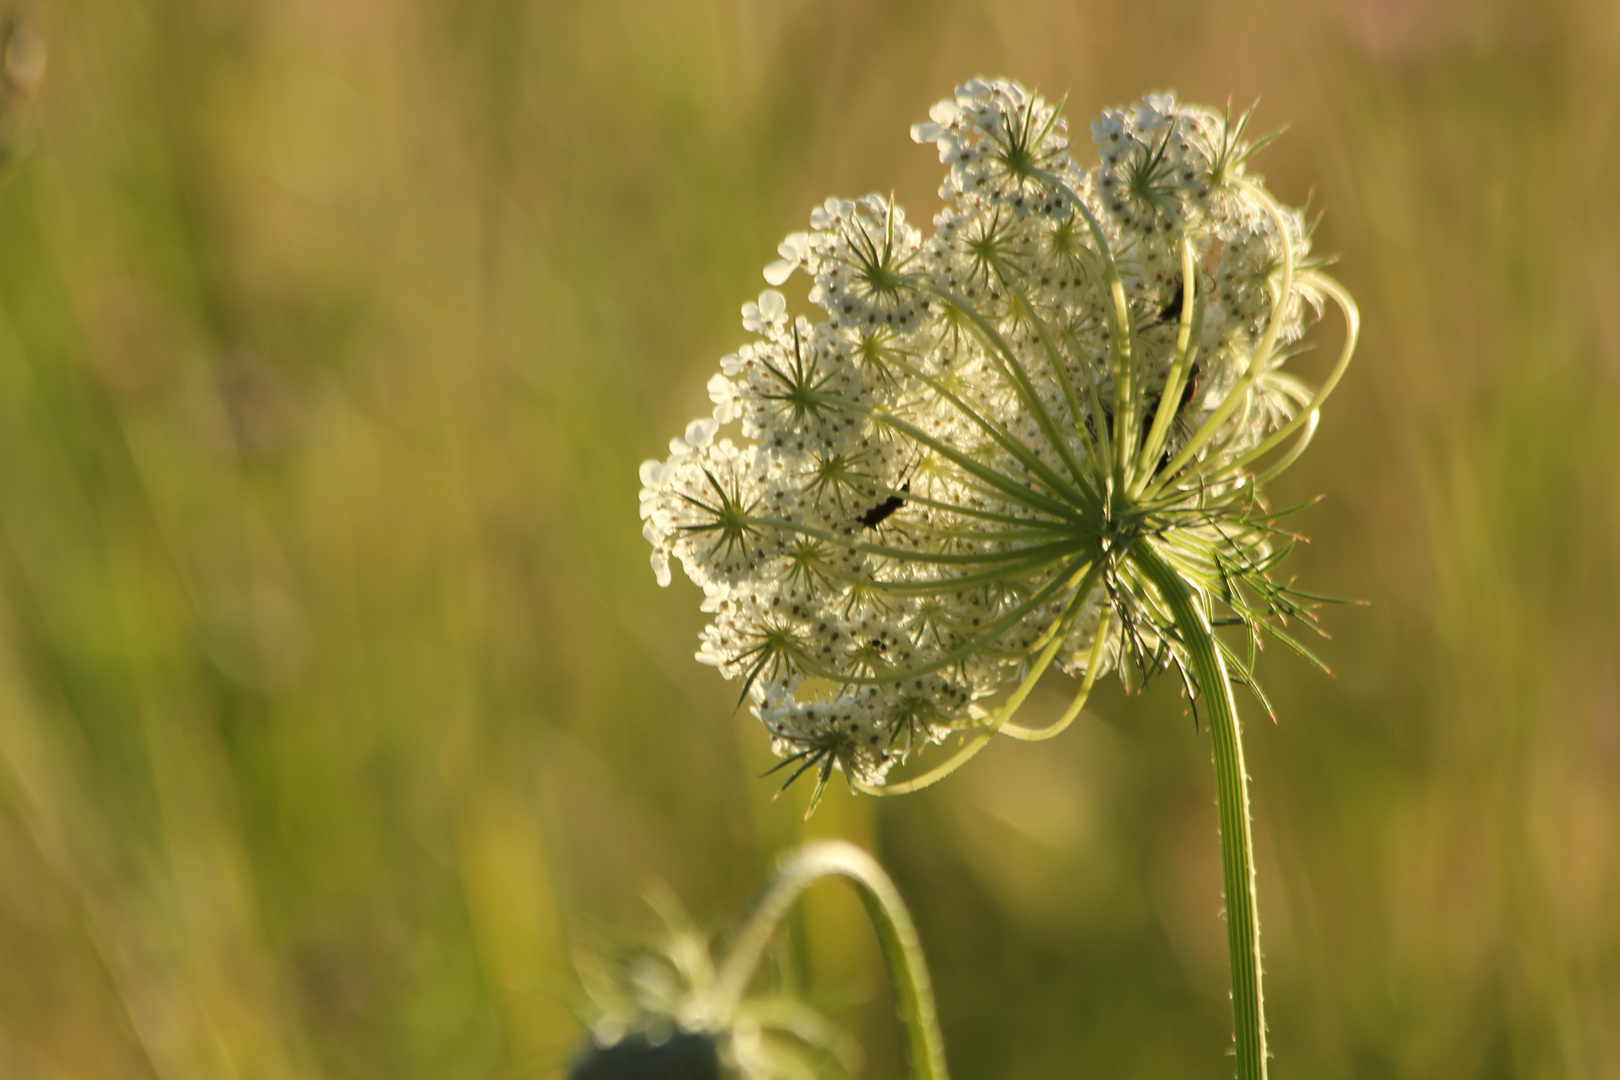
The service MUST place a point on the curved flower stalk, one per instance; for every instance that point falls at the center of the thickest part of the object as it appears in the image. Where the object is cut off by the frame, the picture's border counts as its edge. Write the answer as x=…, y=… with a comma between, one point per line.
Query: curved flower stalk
x=1031, y=439
x=675, y=1012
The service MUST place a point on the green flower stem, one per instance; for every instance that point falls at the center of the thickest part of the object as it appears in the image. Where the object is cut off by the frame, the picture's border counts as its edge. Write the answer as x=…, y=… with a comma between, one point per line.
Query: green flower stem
x=897, y=936
x=1232, y=799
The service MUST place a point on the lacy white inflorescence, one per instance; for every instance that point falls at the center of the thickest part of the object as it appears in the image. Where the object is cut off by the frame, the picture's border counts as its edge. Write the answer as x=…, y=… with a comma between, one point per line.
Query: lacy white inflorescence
x=944, y=485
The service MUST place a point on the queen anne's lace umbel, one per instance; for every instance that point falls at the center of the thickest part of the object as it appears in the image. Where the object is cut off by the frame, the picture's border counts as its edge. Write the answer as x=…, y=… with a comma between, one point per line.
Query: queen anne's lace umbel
x=903, y=513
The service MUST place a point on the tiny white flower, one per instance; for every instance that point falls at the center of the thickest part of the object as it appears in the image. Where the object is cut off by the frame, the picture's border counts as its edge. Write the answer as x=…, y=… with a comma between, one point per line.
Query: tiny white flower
x=942, y=120
x=770, y=312
x=795, y=252
x=698, y=434
x=727, y=404
x=1155, y=110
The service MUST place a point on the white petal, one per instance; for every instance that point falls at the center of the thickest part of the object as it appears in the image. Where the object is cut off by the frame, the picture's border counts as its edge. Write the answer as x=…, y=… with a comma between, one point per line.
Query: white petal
x=1162, y=102
x=700, y=431
x=779, y=271
x=971, y=89
x=795, y=247
x=772, y=304
x=926, y=133
x=652, y=473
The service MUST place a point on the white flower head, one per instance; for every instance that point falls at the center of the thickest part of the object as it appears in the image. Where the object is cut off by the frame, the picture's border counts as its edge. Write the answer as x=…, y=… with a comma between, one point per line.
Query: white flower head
x=950, y=483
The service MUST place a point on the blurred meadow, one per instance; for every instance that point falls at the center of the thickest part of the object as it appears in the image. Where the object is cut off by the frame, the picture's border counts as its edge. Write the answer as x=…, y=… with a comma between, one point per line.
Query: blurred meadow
x=339, y=707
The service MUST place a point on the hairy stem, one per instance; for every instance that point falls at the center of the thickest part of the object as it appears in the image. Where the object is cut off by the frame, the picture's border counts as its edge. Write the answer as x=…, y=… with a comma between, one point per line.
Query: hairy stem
x=1232, y=799
x=897, y=936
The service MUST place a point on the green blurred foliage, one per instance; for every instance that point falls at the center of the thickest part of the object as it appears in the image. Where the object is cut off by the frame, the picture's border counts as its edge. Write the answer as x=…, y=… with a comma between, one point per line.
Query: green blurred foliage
x=338, y=704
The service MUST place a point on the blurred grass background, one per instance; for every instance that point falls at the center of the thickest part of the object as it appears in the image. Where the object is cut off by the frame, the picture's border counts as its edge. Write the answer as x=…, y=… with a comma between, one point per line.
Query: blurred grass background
x=337, y=701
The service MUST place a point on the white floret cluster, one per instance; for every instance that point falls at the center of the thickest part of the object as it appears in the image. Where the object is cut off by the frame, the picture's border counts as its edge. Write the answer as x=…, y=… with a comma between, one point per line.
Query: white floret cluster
x=932, y=492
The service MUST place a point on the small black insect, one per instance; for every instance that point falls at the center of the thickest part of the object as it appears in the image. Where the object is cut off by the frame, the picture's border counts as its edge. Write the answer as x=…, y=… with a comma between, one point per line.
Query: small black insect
x=1190, y=391
x=1171, y=312
x=882, y=511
